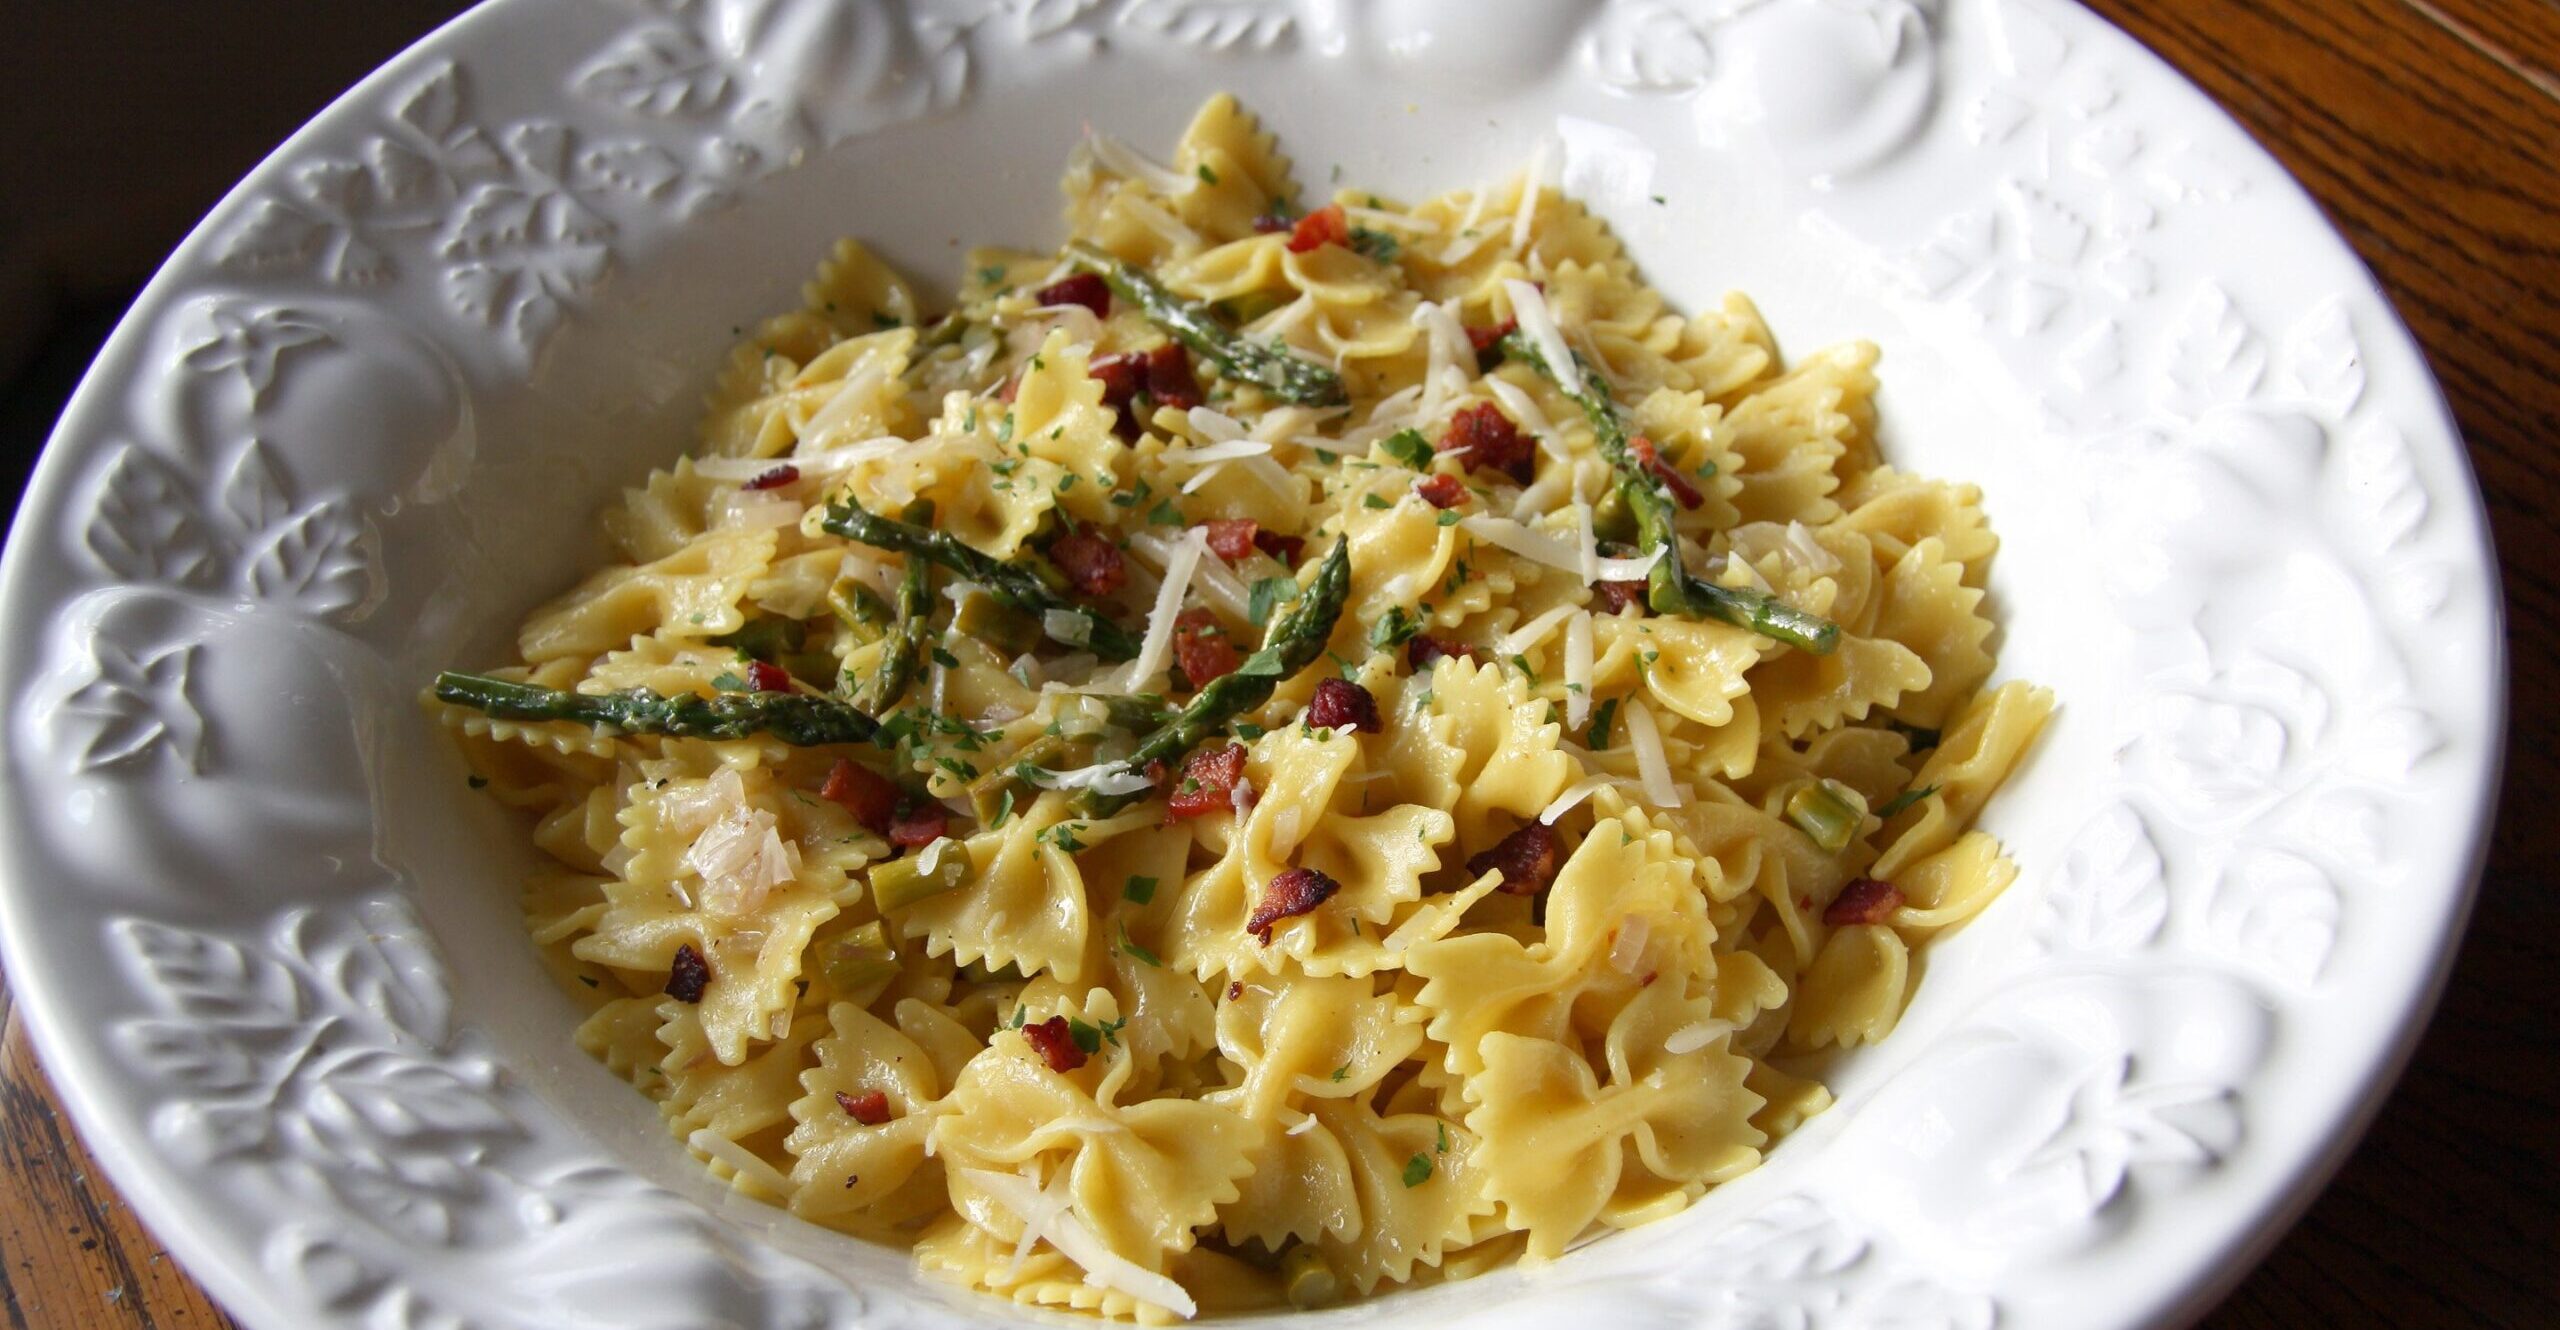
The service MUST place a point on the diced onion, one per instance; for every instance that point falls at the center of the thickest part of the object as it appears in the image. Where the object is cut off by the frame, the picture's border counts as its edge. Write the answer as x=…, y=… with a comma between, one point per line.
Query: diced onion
x=1651, y=764
x=1626, y=950
x=1306, y=1123
x=1072, y=627
x=850, y=396
x=1179, y=565
x=1807, y=552
x=1079, y=1244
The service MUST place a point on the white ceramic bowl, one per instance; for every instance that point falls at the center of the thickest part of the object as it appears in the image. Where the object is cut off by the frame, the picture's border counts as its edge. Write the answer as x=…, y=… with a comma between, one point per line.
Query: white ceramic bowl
x=361, y=422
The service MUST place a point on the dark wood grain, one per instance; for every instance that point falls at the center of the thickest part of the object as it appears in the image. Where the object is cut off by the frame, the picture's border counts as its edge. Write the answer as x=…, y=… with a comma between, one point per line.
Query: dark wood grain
x=2429, y=130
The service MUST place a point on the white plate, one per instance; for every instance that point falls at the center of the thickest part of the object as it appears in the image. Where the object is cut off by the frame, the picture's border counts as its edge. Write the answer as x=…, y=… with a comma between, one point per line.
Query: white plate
x=267, y=941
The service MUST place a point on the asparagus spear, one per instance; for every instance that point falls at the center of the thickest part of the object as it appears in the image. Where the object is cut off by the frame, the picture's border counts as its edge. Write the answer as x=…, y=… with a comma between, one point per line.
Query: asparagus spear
x=1672, y=588
x=1032, y=587
x=1287, y=377
x=903, y=653
x=794, y=718
x=1292, y=644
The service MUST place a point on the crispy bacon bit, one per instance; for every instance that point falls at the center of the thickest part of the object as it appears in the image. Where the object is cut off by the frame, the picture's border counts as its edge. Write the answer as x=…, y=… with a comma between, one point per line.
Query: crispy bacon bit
x=1441, y=490
x=1284, y=548
x=1013, y=388
x=1232, y=538
x=1486, y=438
x=1084, y=288
x=689, y=976
x=1272, y=223
x=1121, y=377
x=1235, y=989
x=1425, y=651
x=1649, y=977
x=1201, y=645
x=1207, y=784
x=775, y=478
x=1291, y=893
x=1092, y=564
x=1864, y=901
x=1341, y=702
x=1527, y=859
x=1325, y=226
x=1616, y=596
x=1486, y=339
x=1055, y=1043
x=1650, y=458
x=1169, y=378
x=764, y=676
x=920, y=826
x=871, y=797
x=870, y=1109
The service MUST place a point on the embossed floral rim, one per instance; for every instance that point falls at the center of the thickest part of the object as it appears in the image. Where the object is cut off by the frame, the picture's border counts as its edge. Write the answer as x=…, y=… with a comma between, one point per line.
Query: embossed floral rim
x=2260, y=818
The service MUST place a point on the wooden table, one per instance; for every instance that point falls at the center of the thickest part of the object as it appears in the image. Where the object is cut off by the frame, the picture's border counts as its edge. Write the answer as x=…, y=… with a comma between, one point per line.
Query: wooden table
x=2430, y=129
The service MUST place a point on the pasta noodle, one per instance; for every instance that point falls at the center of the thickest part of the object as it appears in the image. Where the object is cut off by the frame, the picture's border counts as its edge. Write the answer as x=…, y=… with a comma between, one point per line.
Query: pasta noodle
x=1331, y=798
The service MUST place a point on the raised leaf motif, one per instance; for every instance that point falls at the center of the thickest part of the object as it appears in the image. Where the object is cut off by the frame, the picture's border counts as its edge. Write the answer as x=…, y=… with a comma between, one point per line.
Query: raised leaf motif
x=1215, y=25
x=657, y=70
x=159, y=522
x=2215, y=357
x=248, y=340
x=1657, y=47
x=137, y=705
x=146, y=528
x=2322, y=361
x=2115, y=1122
x=2278, y=914
x=2385, y=502
x=2110, y=895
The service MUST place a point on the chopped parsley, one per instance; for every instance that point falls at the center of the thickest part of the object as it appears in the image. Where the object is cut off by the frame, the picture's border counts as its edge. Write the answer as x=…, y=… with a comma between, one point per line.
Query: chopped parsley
x=1269, y=594
x=1393, y=629
x=1373, y=501
x=1409, y=447
x=1004, y=811
x=1904, y=800
x=1602, y=717
x=1130, y=947
x=1376, y=246
x=1138, y=890
x=1207, y=176
x=1417, y=1170
x=945, y=659
x=1164, y=514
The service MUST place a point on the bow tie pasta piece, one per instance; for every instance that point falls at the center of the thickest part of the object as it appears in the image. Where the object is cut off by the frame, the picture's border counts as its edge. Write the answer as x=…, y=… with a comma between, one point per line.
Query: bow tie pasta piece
x=1400, y=554
x=706, y=865
x=1060, y=423
x=1023, y=902
x=1897, y=511
x=1925, y=606
x=1562, y=1148
x=728, y=1115
x=1682, y=425
x=1974, y=755
x=692, y=593
x=850, y=1152
x=1800, y=693
x=1468, y=737
x=1852, y=993
x=853, y=294
x=1298, y=820
x=1416, y=1191
x=1236, y=170
x=1799, y=434
x=1694, y=669
x=1318, y=1038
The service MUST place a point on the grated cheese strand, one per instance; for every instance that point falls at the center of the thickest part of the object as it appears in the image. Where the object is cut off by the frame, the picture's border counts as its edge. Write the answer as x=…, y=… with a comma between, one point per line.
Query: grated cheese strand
x=1079, y=1244
x=1651, y=763
x=1179, y=565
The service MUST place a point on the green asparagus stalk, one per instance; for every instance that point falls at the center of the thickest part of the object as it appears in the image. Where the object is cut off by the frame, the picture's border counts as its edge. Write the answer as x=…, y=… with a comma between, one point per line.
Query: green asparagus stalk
x=1671, y=588
x=1031, y=586
x=902, y=654
x=1287, y=377
x=1292, y=644
x=794, y=718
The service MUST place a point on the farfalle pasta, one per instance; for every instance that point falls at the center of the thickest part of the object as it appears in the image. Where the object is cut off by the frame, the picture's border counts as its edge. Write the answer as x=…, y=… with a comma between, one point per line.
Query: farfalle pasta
x=1262, y=756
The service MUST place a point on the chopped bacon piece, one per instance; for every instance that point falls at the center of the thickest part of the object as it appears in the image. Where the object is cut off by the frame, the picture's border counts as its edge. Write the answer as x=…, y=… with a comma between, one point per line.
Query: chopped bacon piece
x=1055, y=1043
x=1425, y=651
x=1486, y=339
x=1650, y=458
x=1121, y=377
x=764, y=676
x=1084, y=288
x=1865, y=901
x=689, y=976
x=775, y=478
x=1272, y=223
x=1284, y=548
x=871, y=797
x=1527, y=859
x=870, y=1109
x=1341, y=702
x=1441, y=490
x=1290, y=893
x=920, y=826
x=1616, y=596
x=1169, y=378
x=1208, y=783
x=1201, y=645
x=1092, y=564
x=1231, y=538
x=1486, y=438
x=1325, y=226
x=1013, y=388
x=1235, y=989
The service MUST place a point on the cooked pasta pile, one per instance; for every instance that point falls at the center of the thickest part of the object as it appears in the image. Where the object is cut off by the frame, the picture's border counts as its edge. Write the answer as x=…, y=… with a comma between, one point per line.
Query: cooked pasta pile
x=1264, y=756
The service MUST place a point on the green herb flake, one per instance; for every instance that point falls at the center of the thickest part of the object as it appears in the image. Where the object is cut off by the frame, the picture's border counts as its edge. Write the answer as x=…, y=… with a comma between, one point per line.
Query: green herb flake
x=1004, y=812
x=1451, y=517
x=1269, y=594
x=1087, y=1036
x=1342, y=1072
x=476, y=782
x=1137, y=953
x=1409, y=447
x=1207, y=176
x=729, y=683
x=1904, y=800
x=1417, y=1171
x=1521, y=662
x=945, y=659
x=1138, y=890
x=1373, y=501
x=1443, y=1147
x=1164, y=514
x=1602, y=717
x=1376, y=246
x=991, y=275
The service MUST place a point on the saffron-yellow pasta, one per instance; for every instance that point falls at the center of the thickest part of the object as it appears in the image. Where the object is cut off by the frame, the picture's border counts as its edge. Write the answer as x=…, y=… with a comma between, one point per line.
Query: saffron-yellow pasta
x=1515, y=914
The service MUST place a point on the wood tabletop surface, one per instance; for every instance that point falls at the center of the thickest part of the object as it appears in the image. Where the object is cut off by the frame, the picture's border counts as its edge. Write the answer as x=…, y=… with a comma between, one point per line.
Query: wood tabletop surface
x=2430, y=130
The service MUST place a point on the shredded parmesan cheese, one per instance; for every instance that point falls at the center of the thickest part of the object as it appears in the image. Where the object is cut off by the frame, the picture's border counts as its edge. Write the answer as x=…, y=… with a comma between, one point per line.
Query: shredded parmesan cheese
x=1178, y=567
x=1532, y=179
x=1109, y=778
x=741, y=1161
x=1079, y=1244
x=1535, y=631
x=1574, y=794
x=740, y=470
x=1651, y=764
x=1577, y=668
x=1527, y=542
x=1130, y=164
x=1538, y=324
x=1218, y=584
x=1694, y=1036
